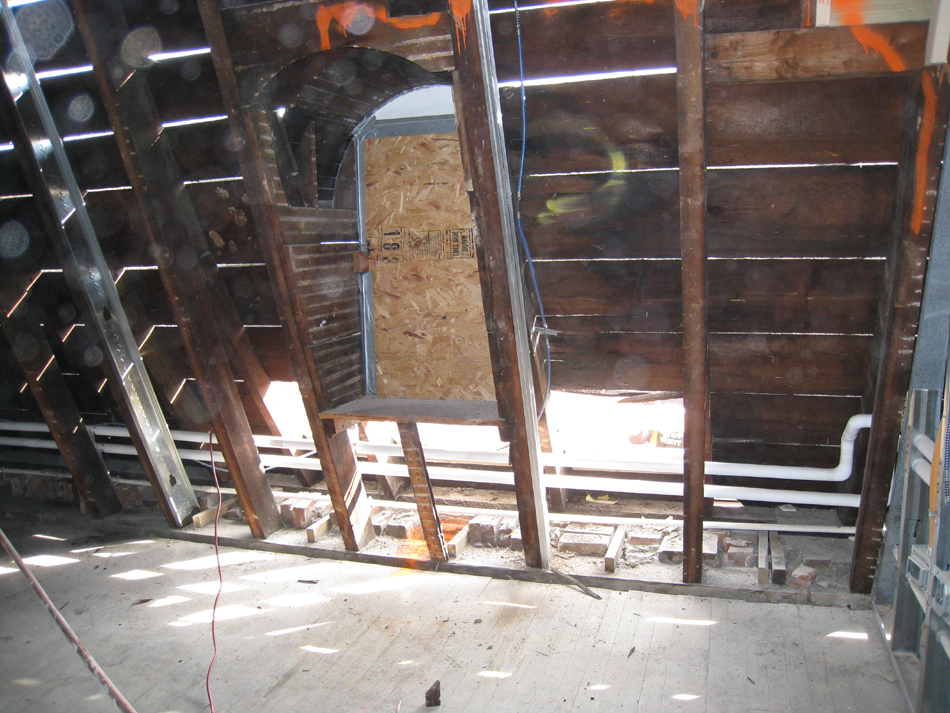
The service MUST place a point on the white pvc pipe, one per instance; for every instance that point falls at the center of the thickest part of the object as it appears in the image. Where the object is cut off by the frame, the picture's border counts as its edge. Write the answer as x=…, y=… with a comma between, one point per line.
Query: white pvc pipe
x=574, y=482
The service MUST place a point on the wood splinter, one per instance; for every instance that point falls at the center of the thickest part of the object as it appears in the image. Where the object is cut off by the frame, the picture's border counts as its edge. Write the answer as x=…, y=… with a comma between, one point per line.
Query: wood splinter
x=434, y=695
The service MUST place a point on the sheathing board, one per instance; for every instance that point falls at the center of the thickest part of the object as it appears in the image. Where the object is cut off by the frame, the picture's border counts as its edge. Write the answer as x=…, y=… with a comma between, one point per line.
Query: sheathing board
x=431, y=340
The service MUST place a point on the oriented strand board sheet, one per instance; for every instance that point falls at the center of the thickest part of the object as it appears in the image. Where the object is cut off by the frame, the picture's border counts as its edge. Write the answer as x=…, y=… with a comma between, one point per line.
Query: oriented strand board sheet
x=431, y=340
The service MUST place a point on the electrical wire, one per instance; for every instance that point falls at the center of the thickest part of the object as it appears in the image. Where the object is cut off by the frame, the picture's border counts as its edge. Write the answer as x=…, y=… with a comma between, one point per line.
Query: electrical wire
x=524, y=240
x=217, y=556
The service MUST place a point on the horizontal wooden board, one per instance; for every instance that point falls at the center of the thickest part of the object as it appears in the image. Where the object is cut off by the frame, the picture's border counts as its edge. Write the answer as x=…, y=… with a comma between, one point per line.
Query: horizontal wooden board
x=272, y=349
x=827, y=211
x=185, y=88
x=814, y=52
x=826, y=296
x=603, y=37
x=419, y=411
x=807, y=364
x=630, y=123
x=774, y=454
x=768, y=418
x=720, y=15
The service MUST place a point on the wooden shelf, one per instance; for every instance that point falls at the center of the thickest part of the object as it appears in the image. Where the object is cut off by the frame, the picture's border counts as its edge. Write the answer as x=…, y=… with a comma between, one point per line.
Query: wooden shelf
x=481, y=413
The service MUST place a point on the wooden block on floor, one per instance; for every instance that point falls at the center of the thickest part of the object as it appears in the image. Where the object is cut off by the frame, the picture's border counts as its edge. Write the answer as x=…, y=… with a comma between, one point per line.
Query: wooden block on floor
x=615, y=549
x=206, y=517
x=458, y=543
x=777, y=552
x=671, y=551
x=764, y=575
x=318, y=529
x=404, y=526
x=483, y=530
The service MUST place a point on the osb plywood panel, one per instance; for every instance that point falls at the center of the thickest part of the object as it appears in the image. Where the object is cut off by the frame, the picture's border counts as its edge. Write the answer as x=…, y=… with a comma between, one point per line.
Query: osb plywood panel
x=430, y=326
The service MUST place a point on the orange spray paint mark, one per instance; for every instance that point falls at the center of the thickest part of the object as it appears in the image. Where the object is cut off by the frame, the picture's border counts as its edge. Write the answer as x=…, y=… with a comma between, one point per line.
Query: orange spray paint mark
x=351, y=14
x=927, y=123
x=687, y=8
x=461, y=9
x=852, y=13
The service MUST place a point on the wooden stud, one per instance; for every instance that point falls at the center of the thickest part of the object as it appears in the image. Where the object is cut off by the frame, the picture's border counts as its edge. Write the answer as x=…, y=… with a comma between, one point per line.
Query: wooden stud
x=318, y=529
x=513, y=378
x=170, y=221
x=458, y=543
x=206, y=517
x=921, y=159
x=422, y=491
x=691, y=112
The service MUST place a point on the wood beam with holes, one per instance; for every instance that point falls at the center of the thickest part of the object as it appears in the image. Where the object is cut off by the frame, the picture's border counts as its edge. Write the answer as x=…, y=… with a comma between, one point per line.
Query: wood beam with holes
x=349, y=499
x=815, y=53
x=170, y=223
x=925, y=132
x=691, y=121
x=503, y=305
x=422, y=491
x=76, y=444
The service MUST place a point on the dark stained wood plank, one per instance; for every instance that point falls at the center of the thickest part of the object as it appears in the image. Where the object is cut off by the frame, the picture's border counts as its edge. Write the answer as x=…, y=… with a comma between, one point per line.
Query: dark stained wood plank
x=806, y=364
x=751, y=15
x=789, y=122
x=921, y=159
x=418, y=411
x=829, y=211
x=422, y=491
x=823, y=296
x=810, y=364
x=771, y=418
x=691, y=126
x=273, y=352
x=616, y=362
x=511, y=373
x=185, y=88
x=603, y=37
x=630, y=123
x=204, y=151
x=820, y=52
x=808, y=456
x=175, y=238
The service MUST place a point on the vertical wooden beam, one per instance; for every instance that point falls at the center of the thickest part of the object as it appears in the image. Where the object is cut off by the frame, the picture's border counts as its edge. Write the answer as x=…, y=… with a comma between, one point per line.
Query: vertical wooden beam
x=49, y=389
x=422, y=491
x=478, y=119
x=691, y=123
x=925, y=131
x=349, y=499
x=170, y=222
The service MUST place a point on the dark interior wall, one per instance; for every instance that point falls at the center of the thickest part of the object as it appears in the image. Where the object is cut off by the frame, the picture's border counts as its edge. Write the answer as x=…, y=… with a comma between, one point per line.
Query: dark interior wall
x=801, y=188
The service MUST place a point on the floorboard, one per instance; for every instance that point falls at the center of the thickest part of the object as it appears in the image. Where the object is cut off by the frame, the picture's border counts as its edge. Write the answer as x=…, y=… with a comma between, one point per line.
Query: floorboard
x=296, y=634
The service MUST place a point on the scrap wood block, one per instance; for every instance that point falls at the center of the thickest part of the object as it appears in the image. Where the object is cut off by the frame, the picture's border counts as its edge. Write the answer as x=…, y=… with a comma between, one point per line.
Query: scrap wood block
x=483, y=530
x=404, y=526
x=458, y=543
x=615, y=549
x=777, y=552
x=318, y=529
x=207, y=515
x=763, y=558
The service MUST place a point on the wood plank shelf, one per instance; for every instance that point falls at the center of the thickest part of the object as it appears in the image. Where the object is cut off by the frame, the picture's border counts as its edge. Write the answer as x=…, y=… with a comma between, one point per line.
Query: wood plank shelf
x=481, y=413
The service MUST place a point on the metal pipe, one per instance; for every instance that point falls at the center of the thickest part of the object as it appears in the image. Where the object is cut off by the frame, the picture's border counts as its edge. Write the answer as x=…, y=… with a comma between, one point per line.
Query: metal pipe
x=83, y=652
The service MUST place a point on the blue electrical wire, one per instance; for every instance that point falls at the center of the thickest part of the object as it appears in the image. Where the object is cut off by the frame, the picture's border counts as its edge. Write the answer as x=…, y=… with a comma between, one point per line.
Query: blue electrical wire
x=524, y=240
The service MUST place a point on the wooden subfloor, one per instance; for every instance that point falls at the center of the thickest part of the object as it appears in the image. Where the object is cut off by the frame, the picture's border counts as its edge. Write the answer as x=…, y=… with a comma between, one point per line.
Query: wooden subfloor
x=297, y=635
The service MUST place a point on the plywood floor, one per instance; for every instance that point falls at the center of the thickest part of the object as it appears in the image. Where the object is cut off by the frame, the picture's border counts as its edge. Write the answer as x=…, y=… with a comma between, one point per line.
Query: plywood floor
x=300, y=635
